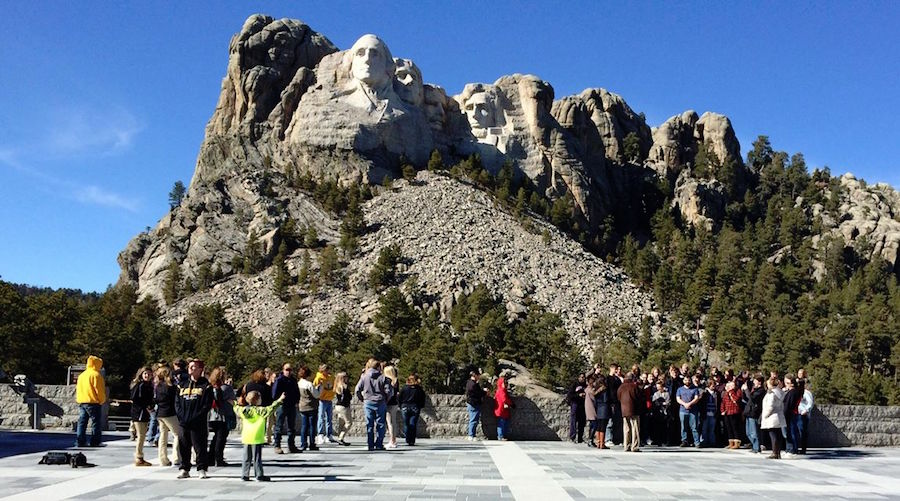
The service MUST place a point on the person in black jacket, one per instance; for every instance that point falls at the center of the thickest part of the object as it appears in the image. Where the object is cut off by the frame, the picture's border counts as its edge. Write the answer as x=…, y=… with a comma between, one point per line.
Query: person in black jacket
x=474, y=399
x=164, y=397
x=412, y=400
x=141, y=405
x=755, y=390
x=791, y=413
x=192, y=405
x=577, y=417
x=286, y=415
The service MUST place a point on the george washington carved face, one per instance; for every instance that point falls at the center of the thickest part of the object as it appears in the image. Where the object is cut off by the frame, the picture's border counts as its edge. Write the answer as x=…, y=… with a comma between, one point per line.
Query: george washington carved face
x=371, y=63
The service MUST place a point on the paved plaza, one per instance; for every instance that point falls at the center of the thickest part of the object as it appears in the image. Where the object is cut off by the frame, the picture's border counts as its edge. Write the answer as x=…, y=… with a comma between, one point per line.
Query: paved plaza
x=453, y=469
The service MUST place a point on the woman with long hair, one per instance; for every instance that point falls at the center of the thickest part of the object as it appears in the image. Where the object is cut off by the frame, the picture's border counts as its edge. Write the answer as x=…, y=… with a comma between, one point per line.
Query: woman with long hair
x=164, y=396
x=412, y=400
x=343, y=397
x=223, y=399
x=393, y=407
x=141, y=405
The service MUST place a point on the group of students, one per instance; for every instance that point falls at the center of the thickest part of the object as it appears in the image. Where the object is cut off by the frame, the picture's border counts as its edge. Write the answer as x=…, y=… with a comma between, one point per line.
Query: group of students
x=690, y=408
x=190, y=403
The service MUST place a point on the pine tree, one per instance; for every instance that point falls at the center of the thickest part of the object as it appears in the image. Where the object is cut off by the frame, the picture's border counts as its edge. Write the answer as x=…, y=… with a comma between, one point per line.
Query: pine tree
x=435, y=162
x=282, y=279
x=176, y=196
x=172, y=284
x=328, y=265
x=305, y=264
x=253, y=260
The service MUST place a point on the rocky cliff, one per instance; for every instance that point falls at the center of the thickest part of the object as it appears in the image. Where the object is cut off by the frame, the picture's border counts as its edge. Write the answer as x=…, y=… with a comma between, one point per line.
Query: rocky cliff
x=291, y=102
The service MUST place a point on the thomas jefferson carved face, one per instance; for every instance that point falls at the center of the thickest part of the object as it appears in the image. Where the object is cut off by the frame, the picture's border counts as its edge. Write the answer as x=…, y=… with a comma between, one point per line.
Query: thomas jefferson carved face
x=409, y=78
x=371, y=62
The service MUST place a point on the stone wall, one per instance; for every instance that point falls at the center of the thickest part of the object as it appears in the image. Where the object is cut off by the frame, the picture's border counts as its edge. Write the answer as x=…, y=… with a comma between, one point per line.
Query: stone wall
x=532, y=419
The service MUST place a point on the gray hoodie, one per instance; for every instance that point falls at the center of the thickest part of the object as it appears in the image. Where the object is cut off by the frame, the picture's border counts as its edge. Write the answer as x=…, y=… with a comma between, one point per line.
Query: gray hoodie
x=374, y=387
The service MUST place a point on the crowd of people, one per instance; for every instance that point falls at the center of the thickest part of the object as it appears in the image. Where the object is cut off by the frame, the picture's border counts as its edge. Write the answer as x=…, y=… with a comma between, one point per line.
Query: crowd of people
x=678, y=408
x=189, y=401
x=691, y=408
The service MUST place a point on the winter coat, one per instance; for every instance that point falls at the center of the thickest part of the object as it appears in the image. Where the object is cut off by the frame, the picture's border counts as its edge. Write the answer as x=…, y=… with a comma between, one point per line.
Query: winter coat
x=141, y=400
x=502, y=402
x=164, y=397
x=253, y=429
x=590, y=404
x=288, y=386
x=91, y=387
x=601, y=403
x=773, y=410
x=731, y=402
x=631, y=399
x=309, y=395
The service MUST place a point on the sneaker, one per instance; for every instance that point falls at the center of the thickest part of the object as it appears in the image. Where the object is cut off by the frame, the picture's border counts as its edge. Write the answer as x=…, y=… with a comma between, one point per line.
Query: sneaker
x=391, y=446
x=320, y=439
x=683, y=444
x=332, y=440
x=313, y=448
x=184, y=474
x=141, y=462
x=167, y=463
x=609, y=443
x=263, y=478
x=203, y=474
x=278, y=450
x=344, y=442
x=789, y=455
x=245, y=479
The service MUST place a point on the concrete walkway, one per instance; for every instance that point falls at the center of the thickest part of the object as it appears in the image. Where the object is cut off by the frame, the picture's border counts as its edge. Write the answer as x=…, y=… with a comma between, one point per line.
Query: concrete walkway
x=454, y=469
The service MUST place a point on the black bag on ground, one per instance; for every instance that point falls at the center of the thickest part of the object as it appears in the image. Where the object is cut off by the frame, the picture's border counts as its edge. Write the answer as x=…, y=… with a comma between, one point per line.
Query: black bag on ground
x=78, y=459
x=56, y=458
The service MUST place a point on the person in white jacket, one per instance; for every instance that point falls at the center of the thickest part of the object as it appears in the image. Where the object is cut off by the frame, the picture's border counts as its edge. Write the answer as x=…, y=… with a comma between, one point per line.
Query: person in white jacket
x=772, y=418
x=805, y=409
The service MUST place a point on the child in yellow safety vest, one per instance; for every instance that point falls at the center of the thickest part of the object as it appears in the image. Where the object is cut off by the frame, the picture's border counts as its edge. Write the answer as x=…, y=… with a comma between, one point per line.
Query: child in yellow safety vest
x=253, y=432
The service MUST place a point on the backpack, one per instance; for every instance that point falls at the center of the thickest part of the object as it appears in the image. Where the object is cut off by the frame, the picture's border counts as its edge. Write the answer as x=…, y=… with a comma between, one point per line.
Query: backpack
x=56, y=458
x=77, y=460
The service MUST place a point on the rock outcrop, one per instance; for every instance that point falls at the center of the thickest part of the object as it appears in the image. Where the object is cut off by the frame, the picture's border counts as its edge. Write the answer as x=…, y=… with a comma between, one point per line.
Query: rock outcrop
x=291, y=102
x=438, y=223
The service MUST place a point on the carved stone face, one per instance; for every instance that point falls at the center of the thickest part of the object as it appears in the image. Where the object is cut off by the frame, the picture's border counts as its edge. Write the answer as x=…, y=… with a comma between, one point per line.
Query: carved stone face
x=409, y=80
x=478, y=111
x=371, y=62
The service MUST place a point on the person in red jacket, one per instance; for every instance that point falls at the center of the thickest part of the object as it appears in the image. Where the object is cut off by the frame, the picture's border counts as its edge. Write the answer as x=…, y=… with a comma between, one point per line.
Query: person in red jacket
x=731, y=410
x=503, y=405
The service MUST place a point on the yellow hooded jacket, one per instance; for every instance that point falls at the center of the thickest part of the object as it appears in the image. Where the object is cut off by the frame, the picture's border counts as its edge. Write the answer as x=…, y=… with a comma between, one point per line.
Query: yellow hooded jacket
x=91, y=388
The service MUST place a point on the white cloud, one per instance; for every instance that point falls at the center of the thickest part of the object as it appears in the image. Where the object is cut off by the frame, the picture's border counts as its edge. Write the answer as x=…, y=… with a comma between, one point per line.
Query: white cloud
x=82, y=130
x=98, y=196
x=86, y=194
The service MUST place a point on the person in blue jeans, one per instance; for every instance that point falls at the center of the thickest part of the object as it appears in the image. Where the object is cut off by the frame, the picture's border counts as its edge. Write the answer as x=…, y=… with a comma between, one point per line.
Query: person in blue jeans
x=286, y=415
x=90, y=394
x=687, y=397
x=474, y=400
x=374, y=390
x=711, y=409
x=412, y=401
x=753, y=410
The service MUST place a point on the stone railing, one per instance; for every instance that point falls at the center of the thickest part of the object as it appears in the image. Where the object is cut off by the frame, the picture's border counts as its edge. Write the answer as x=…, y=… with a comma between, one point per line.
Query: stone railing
x=532, y=419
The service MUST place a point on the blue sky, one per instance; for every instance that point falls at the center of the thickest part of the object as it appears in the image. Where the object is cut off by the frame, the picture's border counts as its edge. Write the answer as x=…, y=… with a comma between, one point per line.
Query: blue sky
x=103, y=105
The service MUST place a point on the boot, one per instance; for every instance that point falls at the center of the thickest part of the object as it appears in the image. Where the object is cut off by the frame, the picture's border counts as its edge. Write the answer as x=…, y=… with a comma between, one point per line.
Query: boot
x=601, y=440
x=735, y=444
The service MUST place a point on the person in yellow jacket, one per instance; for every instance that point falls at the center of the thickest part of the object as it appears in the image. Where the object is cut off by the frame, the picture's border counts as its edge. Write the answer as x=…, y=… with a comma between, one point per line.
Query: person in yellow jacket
x=325, y=428
x=90, y=394
x=253, y=432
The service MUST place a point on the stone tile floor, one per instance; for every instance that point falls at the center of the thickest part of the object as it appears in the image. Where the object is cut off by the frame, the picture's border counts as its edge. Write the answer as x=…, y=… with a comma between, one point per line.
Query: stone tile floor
x=453, y=469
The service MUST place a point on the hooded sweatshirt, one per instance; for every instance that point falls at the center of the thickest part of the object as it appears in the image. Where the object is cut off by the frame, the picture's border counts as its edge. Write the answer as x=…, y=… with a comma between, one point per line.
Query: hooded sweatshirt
x=502, y=402
x=327, y=383
x=374, y=387
x=90, y=387
x=193, y=401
